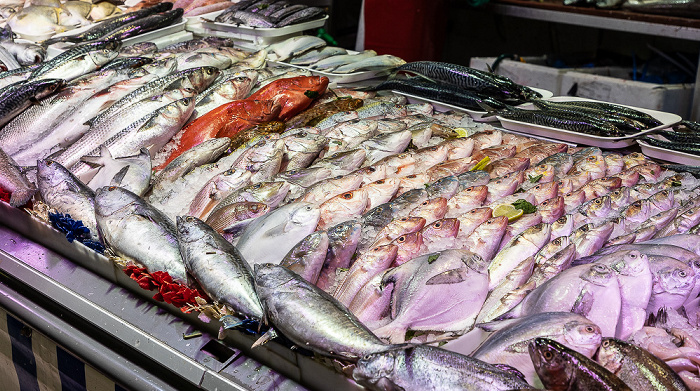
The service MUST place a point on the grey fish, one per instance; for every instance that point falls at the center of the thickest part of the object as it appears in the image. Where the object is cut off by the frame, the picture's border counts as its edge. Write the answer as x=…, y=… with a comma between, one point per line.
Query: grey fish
x=26, y=53
x=638, y=368
x=144, y=25
x=270, y=193
x=62, y=191
x=342, y=243
x=295, y=46
x=138, y=231
x=374, y=63
x=77, y=61
x=310, y=317
x=272, y=236
x=13, y=180
x=128, y=62
x=316, y=55
x=139, y=49
x=306, y=14
x=509, y=343
x=8, y=61
x=559, y=366
x=15, y=98
x=386, y=144
x=306, y=258
x=423, y=367
x=330, y=63
x=218, y=267
x=245, y=18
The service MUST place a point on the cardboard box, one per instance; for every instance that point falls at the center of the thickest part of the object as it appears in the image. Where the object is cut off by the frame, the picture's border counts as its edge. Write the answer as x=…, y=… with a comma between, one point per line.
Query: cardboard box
x=533, y=72
x=613, y=84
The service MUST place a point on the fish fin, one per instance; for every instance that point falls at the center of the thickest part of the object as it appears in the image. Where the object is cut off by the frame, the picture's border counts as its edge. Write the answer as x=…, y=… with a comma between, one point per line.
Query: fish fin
x=583, y=303
x=384, y=384
x=92, y=161
x=265, y=338
x=496, y=325
x=119, y=176
x=20, y=197
x=144, y=152
x=454, y=276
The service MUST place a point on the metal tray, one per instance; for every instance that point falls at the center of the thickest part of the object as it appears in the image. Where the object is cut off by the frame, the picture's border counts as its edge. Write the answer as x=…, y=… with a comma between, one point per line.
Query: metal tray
x=339, y=78
x=306, y=370
x=669, y=154
x=478, y=116
x=667, y=119
x=256, y=35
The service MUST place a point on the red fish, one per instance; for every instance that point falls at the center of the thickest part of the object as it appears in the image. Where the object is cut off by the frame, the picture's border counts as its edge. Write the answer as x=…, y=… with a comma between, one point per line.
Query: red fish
x=294, y=94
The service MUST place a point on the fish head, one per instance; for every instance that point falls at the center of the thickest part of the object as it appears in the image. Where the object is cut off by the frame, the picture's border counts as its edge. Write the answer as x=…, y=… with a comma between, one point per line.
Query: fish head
x=50, y=173
x=393, y=142
x=619, y=196
x=376, y=369
x=574, y=198
x=45, y=87
x=597, y=274
x=348, y=160
x=552, y=206
x=444, y=228
x=594, y=165
x=351, y=201
x=476, y=216
x=408, y=246
x=201, y=77
x=105, y=52
x=582, y=335
x=599, y=206
x=383, y=254
x=553, y=368
x=674, y=277
x=477, y=192
x=162, y=67
x=634, y=159
x=271, y=193
x=190, y=229
x=646, y=190
x=250, y=210
x=406, y=224
x=545, y=191
x=494, y=227
x=459, y=147
x=109, y=200
x=345, y=232
x=304, y=214
x=434, y=208
x=629, y=177
x=663, y=199
x=637, y=211
x=385, y=186
x=179, y=111
x=609, y=182
x=631, y=263
x=504, y=185
x=610, y=355
x=389, y=125
x=372, y=173
x=564, y=224
x=546, y=170
x=473, y=178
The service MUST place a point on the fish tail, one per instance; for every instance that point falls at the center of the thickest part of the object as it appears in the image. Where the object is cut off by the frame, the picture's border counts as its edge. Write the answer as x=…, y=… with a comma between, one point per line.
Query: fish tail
x=20, y=197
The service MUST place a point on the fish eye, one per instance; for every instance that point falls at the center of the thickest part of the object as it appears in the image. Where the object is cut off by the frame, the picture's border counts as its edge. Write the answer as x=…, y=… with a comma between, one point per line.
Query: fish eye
x=371, y=169
x=557, y=241
x=347, y=196
x=411, y=176
x=469, y=189
x=633, y=256
x=111, y=188
x=592, y=158
x=425, y=203
x=189, y=218
x=380, y=182
x=605, y=343
x=697, y=264
x=562, y=220
x=437, y=224
x=598, y=201
x=538, y=187
x=590, y=329
x=401, y=239
x=585, y=228
x=257, y=186
x=600, y=268
x=499, y=182
x=403, y=219
x=547, y=355
x=545, y=203
x=682, y=273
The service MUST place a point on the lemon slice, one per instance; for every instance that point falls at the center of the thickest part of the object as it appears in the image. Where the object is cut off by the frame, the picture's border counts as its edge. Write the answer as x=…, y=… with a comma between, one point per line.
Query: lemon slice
x=507, y=210
x=482, y=164
x=461, y=132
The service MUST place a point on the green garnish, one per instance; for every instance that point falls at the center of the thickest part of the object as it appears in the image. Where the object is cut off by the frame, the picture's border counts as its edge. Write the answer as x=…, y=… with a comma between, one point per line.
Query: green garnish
x=311, y=94
x=676, y=184
x=534, y=179
x=525, y=206
x=433, y=258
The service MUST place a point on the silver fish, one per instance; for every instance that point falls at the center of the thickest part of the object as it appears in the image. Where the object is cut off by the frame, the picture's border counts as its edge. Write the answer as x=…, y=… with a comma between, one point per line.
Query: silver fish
x=15, y=98
x=77, y=61
x=294, y=46
x=310, y=317
x=218, y=267
x=137, y=230
x=460, y=277
x=271, y=237
x=424, y=367
x=343, y=240
x=129, y=172
x=330, y=63
x=306, y=258
x=374, y=63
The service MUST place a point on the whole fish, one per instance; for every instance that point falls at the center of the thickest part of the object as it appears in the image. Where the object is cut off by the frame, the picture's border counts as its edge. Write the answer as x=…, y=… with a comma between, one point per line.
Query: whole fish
x=638, y=368
x=374, y=63
x=342, y=243
x=272, y=236
x=673, y=282
x=460, y=277
x=234, y=218
x=522, y=246
x=330, y=63
x=13, y=180
x=310, y=317
x=77, y=61
x=316, y=55
x=303, y=15
x=509, y=343
x=26, y=53
x=424, y=367
x=588, y=290
x=218, y=267
x=144, y=25
x=565, y=369
x=294, y=46
x=136, y=230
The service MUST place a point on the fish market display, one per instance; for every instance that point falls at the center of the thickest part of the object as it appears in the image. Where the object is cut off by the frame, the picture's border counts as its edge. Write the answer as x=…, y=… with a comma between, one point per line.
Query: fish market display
x=367, y=230
x=266, y=14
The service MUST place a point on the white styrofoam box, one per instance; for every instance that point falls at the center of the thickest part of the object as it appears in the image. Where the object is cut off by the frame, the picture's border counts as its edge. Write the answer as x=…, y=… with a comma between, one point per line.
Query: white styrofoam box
x=612, y=84
x=532, y=73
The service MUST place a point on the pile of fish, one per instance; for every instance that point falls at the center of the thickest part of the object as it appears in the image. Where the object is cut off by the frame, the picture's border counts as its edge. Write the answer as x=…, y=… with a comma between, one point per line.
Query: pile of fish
x=589, y=117
x=354, y=223
x=268, y=14
x=682, y=8
x=313, y=53
x=459, y=85
x=126, y=25
x=14, y=54
x=44, y=18
x=683, y=139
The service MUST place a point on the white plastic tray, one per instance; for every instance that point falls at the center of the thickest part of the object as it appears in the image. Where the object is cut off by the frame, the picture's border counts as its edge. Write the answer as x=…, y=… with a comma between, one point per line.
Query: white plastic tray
x=669, y=154
x=151, y=36
x=667, y=120
x=257, y=35
x=478, y=116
